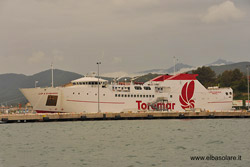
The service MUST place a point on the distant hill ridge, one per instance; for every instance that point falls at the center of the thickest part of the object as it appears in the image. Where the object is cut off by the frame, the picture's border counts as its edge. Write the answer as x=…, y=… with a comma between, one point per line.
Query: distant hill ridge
x=178, y=67
x=220, y=62
x=10, y=83
x=220, y=69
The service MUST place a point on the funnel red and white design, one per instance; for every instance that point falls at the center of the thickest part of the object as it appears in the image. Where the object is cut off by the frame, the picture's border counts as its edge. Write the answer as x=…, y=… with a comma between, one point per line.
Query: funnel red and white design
x=187, y=93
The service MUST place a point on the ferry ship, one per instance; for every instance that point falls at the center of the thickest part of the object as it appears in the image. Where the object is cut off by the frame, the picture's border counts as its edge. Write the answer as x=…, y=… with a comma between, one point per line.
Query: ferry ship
x=166, y=93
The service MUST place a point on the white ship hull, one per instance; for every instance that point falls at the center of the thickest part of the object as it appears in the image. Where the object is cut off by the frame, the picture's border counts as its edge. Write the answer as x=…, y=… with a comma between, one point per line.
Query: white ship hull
x=166, y=93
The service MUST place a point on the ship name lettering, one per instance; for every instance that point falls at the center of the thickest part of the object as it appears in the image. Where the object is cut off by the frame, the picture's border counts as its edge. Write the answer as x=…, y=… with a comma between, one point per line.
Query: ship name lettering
x=149, y=106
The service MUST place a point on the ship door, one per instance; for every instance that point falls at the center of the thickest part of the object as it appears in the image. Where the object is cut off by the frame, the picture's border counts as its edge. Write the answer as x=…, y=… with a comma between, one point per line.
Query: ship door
x=51, y=100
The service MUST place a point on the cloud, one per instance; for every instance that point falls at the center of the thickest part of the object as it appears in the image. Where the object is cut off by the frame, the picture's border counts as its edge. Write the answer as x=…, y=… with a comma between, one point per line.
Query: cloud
x=133, y=3
x=223, y=12
x=37, y=57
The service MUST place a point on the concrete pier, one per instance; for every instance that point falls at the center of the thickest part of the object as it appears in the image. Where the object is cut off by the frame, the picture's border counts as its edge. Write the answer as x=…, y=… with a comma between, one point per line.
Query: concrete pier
x=18, y=118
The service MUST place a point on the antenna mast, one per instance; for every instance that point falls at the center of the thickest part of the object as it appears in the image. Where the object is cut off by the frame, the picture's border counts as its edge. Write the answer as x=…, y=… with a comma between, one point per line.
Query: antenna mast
x=175, y=60
x=174, y=65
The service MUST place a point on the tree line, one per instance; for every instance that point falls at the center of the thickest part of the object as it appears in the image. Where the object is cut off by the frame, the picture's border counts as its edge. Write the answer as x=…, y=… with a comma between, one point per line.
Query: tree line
x=229, y=78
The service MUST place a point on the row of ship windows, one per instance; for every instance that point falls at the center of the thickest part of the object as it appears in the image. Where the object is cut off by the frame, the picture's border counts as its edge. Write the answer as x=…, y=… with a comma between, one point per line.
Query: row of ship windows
x=136, y=88
x=87, y=94
x=128, y=88
x=87, y=83
x=125, y=95
x=229, y=93
x=128, y=95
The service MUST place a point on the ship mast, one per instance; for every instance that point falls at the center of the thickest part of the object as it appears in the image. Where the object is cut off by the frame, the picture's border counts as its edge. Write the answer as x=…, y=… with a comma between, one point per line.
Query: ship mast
x=52, y=75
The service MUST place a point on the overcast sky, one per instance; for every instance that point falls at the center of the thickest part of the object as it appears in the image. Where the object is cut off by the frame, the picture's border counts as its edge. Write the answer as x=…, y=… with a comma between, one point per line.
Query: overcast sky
x=125, y=35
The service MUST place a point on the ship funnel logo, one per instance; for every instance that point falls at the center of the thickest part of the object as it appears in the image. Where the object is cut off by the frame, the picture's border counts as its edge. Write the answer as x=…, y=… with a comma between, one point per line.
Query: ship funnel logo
x=187, y=93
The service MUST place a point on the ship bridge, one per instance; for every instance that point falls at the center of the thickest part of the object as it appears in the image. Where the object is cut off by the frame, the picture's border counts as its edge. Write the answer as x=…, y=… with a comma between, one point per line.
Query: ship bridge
x=89, y=81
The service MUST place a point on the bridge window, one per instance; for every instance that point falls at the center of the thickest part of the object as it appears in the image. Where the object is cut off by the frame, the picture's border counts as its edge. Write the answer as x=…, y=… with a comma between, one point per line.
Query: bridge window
x=138, y=88
x=147, y=88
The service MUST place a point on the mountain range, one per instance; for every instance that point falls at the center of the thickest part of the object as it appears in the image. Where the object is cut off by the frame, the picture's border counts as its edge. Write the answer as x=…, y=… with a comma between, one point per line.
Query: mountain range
x=220, y=62
x=10, y=83
x=180, y=67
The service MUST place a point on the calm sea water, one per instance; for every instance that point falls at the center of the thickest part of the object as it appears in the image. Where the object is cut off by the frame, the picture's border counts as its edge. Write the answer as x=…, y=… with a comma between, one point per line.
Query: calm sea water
x=124, y=143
